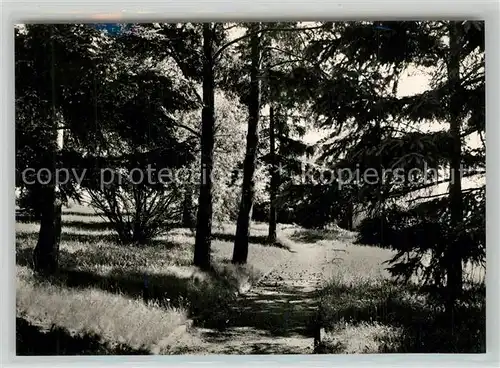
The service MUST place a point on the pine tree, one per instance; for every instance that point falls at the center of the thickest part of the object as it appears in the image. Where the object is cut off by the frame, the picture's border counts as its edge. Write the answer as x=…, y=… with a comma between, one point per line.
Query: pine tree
x=204, y=221
x=46, y=58
x=383, y=133
x=454, y=253
x=240, y=252
x=274, y=172
x=272, y=93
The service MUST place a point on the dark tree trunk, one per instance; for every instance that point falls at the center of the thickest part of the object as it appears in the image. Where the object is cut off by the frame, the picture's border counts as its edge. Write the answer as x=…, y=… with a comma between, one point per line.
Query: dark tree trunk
x=347, y=220
x=274, y=178
x=204, y=216
x=46, y=252
x=188, y=217
x=454, y=251
x=240, y=252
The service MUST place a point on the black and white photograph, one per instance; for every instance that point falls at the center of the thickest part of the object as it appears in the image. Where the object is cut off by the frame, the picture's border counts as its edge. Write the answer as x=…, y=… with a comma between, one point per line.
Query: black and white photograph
x=237, y=188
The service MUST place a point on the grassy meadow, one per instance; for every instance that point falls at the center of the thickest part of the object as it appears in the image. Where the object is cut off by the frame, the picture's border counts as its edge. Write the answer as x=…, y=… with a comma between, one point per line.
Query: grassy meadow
x=363, y=310
x=114, y=299
x=130, y=296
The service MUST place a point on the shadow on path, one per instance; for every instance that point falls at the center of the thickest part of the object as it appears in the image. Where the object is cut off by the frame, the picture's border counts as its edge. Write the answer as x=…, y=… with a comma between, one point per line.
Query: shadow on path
x=272, y=320
x=278, y=315
x=280, y=310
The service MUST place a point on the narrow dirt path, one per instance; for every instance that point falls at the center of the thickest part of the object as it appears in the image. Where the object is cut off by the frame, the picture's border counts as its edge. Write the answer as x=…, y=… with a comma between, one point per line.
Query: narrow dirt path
x=276, y=315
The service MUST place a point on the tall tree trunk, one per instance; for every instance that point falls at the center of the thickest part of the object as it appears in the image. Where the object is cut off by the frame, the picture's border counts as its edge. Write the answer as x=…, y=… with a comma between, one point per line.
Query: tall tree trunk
x=46, y=252
x=188, y=218
x=348, y=216
x=204, y=217
x=240, y=252
x=454, y=251
x=274, y=177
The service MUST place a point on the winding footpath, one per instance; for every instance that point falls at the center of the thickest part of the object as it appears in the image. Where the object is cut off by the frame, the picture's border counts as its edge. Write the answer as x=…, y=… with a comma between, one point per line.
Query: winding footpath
x=276, y=316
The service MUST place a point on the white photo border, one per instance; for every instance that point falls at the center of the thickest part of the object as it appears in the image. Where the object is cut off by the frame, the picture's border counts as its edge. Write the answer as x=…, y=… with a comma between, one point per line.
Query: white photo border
x=71, y=11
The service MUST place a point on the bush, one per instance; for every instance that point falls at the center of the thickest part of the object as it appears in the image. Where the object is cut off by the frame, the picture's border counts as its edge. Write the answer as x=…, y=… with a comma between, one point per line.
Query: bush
x=137, y=212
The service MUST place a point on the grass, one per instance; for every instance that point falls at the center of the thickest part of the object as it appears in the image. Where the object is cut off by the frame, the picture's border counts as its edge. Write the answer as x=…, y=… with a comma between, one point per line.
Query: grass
x=322, y=236
x=363, y=311
x=363, y=338
x=36, y=340
x=391, y=318
x=116, y=319
x=130, y=298
x=114, y=299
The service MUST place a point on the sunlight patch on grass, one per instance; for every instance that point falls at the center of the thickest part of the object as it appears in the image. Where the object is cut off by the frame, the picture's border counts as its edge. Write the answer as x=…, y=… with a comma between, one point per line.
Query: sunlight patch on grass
x=364, y=311
x=363, y=338
x=116, y=318
x=241, y=276
x=262, y=258
x=27, y=228
x=359, y=265
x=321, y=235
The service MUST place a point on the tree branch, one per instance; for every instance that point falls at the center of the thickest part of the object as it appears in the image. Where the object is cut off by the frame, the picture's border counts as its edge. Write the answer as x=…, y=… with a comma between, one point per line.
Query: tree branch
x=432, y=184
x=249, y=34
x=180, y=125
x=183, y=71
x=444, y=194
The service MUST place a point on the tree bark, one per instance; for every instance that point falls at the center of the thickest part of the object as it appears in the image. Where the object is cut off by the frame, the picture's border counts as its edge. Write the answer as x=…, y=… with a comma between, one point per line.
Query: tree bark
x=347, y=222
x=188, y=218
x=240, y=252
x=204, y=216
x=454, y=251
x=274, y=177
x=46, y=252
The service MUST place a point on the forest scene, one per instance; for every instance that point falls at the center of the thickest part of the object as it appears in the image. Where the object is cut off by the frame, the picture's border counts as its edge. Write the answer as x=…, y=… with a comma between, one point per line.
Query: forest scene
x=250, y=188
